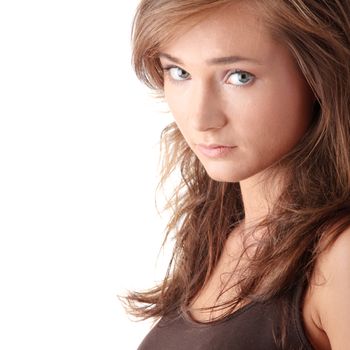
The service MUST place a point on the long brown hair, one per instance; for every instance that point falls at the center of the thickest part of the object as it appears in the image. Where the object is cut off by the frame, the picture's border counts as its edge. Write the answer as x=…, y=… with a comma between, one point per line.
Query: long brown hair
x=314, y=206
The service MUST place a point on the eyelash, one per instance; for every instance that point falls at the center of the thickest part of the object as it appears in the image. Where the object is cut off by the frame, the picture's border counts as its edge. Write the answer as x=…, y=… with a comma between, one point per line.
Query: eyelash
x=166, y=70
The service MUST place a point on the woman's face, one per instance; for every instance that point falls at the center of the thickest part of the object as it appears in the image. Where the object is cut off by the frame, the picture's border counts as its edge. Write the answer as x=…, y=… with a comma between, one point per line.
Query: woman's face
x=228, y=83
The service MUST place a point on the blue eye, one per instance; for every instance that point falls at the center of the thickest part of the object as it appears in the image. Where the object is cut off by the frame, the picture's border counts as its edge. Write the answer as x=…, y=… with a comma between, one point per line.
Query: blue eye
x=240, y=78
x=176, y=73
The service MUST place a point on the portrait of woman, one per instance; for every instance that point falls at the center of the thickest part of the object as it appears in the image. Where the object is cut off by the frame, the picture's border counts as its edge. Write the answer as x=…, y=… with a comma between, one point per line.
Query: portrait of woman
x=260, y=96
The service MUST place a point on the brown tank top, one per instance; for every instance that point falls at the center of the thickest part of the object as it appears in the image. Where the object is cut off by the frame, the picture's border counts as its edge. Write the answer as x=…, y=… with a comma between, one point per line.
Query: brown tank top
x=248, y=328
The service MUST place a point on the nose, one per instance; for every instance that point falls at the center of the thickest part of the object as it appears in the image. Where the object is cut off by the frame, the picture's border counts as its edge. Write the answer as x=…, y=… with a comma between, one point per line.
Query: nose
x=206, y=110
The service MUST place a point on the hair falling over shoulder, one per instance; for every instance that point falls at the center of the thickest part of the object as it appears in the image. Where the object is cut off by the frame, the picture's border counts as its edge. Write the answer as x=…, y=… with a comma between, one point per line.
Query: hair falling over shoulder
x=314, y=207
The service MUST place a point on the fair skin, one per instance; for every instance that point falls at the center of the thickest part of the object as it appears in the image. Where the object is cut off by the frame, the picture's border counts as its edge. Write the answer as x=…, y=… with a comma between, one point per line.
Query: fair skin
x=261, y=113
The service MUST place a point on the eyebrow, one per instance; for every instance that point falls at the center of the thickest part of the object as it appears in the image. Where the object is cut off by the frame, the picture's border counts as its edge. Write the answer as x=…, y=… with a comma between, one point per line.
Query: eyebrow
x=213, y=61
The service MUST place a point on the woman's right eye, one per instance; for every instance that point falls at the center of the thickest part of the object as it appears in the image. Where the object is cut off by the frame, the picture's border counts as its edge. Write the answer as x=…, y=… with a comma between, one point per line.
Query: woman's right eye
x=176, y=73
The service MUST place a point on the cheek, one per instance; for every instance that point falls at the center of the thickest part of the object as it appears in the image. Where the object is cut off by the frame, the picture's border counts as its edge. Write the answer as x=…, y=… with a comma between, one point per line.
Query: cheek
x=178, y=106
x=274, y=122
x=173, y=100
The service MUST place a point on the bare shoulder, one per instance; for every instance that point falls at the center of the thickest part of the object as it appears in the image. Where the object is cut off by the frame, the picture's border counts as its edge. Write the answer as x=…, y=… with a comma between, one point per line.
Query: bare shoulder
x=331, y=292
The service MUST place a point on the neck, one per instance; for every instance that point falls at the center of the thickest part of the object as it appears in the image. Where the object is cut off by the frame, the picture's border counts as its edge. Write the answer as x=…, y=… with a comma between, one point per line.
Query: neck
x=259, y=197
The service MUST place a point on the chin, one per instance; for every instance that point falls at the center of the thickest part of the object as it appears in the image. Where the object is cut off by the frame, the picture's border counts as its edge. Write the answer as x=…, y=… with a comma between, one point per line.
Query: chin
x=229, y=173
x=223, y=178
x=221, y=175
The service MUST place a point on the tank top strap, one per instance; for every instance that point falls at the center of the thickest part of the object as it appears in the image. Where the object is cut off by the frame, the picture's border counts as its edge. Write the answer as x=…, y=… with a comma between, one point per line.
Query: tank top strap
x=298, y=313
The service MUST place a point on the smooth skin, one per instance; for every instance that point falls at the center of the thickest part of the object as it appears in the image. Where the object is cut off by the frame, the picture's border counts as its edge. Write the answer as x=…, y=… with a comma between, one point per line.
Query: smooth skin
x=227, y=82
x=262, y=111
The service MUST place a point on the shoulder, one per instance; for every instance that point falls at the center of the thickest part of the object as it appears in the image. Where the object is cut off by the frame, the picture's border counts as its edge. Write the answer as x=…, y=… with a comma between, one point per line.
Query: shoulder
x=331, y=286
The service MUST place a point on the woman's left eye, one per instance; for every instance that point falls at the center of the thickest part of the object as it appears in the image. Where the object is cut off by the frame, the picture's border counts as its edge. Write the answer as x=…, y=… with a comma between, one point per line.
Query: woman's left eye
x=240, y=78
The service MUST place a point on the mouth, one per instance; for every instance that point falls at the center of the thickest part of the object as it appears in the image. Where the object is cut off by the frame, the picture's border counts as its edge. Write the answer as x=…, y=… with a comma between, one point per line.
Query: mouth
x=214, y=150
x=213, y=145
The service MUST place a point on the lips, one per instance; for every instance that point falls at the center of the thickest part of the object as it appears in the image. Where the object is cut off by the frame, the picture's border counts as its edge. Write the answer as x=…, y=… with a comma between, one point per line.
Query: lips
x=214, y=145
x=214, y=150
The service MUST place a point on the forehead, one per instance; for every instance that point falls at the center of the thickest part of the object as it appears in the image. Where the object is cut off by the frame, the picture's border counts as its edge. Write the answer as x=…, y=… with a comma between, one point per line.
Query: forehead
x=235, y=29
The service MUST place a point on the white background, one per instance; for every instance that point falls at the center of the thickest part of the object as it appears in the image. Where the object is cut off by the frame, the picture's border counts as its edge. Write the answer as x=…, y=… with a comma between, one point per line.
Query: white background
x=79, y=140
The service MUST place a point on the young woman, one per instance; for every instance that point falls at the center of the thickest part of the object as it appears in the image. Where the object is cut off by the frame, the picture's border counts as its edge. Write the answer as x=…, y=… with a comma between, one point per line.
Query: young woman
x=260, y=94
